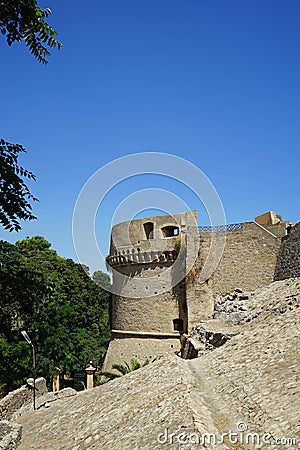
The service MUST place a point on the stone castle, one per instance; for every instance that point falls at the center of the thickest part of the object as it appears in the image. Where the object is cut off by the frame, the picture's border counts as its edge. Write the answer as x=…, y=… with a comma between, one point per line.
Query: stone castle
x=167, y=272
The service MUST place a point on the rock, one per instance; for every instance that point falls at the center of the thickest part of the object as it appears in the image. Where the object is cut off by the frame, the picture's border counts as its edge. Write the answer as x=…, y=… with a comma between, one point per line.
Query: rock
x=64, y=393
x=21, y=398
x=207, y=336
x=242, y=308
x=10, y=435
x=49, y=397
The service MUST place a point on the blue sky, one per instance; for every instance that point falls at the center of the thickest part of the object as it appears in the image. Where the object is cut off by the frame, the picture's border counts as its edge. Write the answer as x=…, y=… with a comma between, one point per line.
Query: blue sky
x=216, y=83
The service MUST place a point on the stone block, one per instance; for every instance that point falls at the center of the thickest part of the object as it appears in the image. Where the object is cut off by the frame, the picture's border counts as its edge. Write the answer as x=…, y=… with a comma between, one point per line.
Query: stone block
x=10, y=435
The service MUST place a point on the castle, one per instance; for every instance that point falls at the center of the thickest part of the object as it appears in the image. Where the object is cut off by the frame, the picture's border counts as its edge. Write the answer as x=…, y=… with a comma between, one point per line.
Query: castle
x=167, y=272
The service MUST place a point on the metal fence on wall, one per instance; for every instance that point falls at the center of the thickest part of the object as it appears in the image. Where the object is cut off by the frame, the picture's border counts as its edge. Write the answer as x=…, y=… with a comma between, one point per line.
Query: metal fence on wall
x=229, y=227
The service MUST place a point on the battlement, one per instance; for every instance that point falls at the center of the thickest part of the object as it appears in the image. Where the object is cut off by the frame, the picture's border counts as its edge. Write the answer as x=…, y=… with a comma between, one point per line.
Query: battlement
x=156, y=233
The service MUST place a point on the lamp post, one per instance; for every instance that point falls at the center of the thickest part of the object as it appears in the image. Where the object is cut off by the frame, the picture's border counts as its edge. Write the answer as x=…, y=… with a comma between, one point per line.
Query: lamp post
x=29, y=341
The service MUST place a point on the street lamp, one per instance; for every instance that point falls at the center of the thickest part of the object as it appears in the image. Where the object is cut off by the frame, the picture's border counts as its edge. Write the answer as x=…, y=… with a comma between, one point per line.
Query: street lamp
x=29, y=341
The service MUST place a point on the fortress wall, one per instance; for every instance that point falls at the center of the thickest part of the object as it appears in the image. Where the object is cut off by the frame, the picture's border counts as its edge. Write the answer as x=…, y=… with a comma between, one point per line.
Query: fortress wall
x=279, y=229
x=142, y=327
x=248, y=260
x=136, y=235
x=143, y=250
x=288, y=265
x=145, y=314
x=148, y=348
x=154, y=313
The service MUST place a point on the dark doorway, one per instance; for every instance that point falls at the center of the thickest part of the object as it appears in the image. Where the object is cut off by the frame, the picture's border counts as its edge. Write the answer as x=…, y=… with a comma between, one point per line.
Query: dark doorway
x=148, y=227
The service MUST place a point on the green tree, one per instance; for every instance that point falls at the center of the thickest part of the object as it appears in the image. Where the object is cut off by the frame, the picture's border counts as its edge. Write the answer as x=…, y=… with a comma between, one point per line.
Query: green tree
x=15, y=363
x=20, y=289
x=24, y=20
x=14, y=194
x=102, y=279
x=63, y=310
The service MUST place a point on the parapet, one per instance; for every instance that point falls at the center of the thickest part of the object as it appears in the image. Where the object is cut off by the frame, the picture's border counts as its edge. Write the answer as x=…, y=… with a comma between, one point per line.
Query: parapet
x=151, y=239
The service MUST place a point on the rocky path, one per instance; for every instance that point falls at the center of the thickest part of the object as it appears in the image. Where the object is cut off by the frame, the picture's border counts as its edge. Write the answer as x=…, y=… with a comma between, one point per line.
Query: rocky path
x=139, y=411
x=248, y=387
x=253, y=380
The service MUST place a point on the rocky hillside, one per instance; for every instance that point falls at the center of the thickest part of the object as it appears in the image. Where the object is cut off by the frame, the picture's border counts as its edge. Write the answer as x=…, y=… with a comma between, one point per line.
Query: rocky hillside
x=241, y=395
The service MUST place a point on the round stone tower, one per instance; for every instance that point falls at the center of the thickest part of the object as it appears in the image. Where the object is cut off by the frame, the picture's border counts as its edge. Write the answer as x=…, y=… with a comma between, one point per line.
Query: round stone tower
x=148, y=258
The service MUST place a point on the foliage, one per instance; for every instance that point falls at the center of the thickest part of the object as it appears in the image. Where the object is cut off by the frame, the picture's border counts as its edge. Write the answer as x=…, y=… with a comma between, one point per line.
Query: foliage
x=15, y=360
x=102, y=279
x=123, y=369
x=62, y=309
x=21, y=20
x=24, y=20
x=14, y=194
x=127, y=368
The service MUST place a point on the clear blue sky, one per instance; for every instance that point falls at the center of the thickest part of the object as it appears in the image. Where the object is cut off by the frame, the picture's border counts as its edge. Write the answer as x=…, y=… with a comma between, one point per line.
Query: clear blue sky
x=215, y=82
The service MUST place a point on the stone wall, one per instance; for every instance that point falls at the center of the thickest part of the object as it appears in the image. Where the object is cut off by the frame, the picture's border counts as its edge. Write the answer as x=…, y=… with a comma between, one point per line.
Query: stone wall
x=248, y=260
x=21, y=397
x=10, y=435
x=20, y=401
x=142, y=347
x=149, y=257
x=248, y=253
x=151, y=311
x=288, y=265
x=150, y=314
x=135, y=235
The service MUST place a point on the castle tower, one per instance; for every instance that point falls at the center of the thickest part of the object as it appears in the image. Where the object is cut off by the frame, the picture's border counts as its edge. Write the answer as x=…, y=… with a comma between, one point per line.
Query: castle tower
x=148, y=257
x=167, y=269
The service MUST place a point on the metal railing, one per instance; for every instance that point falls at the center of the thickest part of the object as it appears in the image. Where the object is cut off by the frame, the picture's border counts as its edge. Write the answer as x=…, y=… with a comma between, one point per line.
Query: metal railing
x=216, y=228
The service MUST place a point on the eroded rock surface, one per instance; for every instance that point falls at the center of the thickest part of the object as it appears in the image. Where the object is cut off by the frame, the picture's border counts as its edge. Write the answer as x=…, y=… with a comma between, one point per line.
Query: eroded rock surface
x=238, y=307
x=10, y=435
x=21, y=398
x=248, y=385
